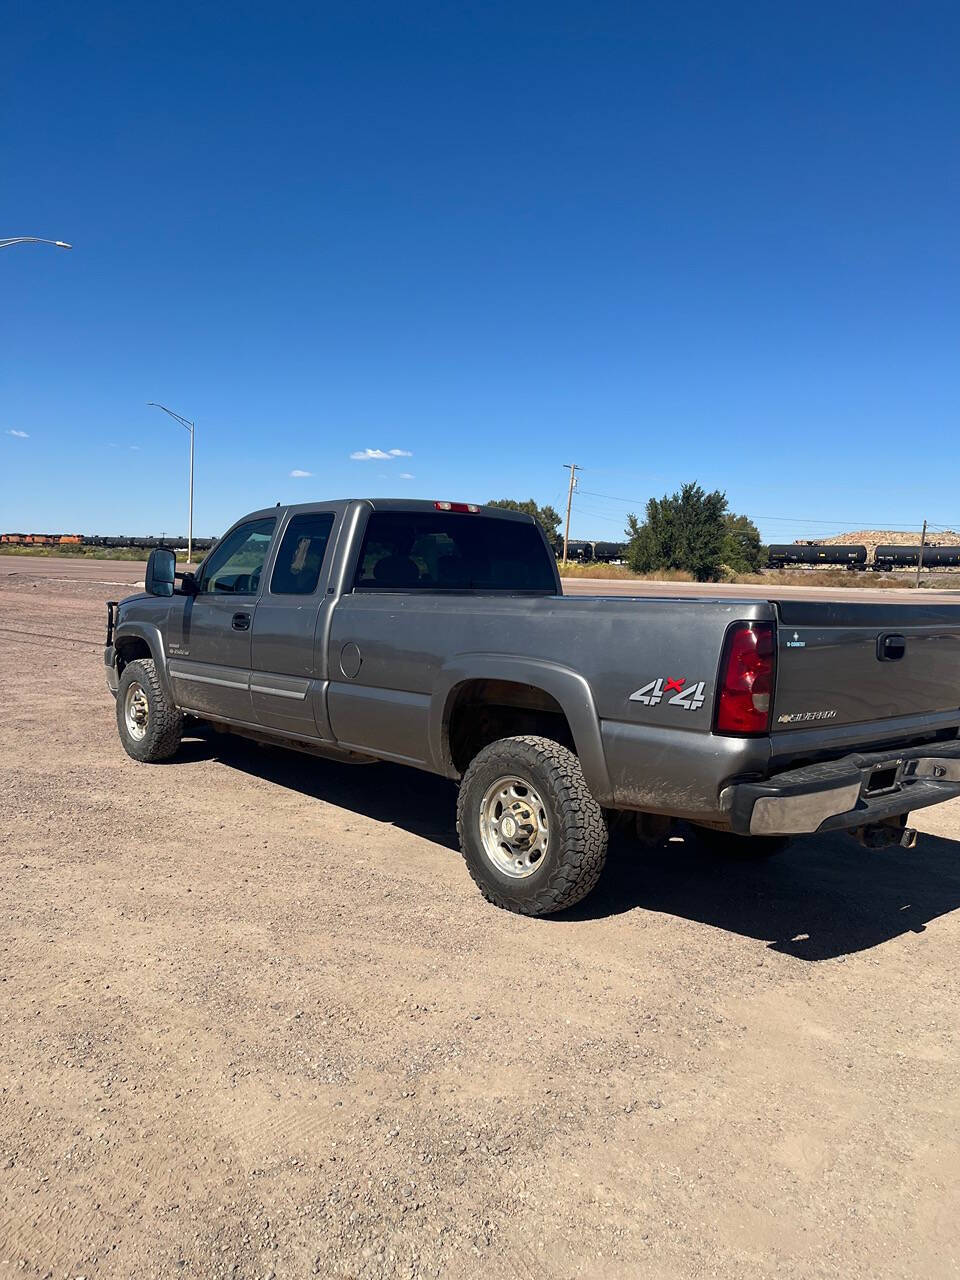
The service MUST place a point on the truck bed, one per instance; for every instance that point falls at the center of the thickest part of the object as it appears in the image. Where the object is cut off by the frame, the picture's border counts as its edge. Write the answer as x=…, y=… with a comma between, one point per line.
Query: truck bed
x=773, y=591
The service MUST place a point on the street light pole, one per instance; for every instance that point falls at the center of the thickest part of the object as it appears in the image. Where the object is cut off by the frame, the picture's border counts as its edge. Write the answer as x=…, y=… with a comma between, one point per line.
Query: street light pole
x=57, y=244
x=191, y=427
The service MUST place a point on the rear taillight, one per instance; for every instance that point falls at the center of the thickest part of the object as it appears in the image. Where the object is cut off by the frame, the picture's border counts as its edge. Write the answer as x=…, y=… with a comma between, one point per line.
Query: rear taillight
x=747, y=669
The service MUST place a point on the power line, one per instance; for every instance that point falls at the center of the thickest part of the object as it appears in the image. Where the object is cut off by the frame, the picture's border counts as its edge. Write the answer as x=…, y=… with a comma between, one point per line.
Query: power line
x=602, y=515
x=846, y=522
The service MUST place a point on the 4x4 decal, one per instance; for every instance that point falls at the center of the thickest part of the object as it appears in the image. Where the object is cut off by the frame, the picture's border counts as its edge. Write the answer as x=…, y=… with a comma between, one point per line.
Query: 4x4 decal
x=690, y=698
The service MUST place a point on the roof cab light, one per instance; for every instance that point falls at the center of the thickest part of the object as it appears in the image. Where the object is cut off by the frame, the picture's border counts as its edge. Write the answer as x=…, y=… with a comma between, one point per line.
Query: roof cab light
x=747, y=671
x=456, y=506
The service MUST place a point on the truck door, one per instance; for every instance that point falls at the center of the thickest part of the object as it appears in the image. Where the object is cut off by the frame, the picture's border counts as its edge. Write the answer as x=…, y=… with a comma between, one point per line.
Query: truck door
x=209, y=660
x=289, y=653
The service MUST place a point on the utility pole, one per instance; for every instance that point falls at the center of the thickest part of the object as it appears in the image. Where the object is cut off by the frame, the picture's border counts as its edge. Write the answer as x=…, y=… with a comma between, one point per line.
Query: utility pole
x=923, y=543
x=573, y=468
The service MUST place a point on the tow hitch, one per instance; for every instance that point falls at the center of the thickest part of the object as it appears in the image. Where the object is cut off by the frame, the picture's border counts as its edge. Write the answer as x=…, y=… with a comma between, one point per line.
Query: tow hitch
x=878, y=835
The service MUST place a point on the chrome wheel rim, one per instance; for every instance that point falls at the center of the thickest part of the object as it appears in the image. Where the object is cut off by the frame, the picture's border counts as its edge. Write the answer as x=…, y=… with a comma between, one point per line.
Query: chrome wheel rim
x=514, y=828
x=136, y=711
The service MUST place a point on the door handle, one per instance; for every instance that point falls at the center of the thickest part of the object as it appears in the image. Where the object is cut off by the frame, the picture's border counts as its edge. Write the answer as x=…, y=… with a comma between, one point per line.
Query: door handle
x=241, y=622
x=891, y=648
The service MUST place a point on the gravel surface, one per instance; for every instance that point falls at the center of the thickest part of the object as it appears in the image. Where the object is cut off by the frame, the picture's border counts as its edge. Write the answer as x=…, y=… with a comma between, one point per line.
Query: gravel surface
x=255, y=1021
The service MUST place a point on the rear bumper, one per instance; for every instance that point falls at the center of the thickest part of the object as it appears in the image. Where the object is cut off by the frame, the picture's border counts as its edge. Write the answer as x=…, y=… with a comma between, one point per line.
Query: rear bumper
x=851, y=792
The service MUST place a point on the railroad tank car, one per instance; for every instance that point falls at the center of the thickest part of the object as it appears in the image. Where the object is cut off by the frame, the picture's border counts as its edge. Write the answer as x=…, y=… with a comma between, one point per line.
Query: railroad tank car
x=813, y=554
x=895, y=556
x=604, y=552
x=942, y=557
x=578, y=550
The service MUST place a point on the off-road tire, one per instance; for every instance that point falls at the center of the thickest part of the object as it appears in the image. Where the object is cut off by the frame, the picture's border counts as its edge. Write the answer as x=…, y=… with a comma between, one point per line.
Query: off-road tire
x=735, y=848
x=164, y=720
x=577, y=839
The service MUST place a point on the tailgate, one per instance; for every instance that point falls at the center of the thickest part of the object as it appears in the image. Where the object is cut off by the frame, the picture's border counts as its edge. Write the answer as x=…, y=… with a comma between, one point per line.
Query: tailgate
x=840, y=663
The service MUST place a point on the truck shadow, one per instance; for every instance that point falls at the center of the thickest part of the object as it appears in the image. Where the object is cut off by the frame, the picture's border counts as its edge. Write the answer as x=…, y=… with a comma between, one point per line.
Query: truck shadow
x=822, y=897
x=420, y=803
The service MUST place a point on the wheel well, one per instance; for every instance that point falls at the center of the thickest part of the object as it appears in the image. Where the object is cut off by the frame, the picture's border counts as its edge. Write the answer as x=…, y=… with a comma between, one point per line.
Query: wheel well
x=485, y=710
x=128, y=649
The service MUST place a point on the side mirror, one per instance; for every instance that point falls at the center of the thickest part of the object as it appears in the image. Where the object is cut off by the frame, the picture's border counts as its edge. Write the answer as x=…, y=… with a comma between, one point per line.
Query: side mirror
x=189, y=586
x=161, y=568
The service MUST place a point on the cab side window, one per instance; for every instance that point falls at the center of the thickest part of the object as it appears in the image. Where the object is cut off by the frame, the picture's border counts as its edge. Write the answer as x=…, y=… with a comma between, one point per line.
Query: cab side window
x=235, y=565
x=300, y=558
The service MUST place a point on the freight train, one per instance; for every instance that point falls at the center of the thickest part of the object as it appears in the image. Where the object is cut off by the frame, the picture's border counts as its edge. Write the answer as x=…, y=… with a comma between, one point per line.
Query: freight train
x=581, y=552
x=100, y=540
x=591, y=552
x=885, y=558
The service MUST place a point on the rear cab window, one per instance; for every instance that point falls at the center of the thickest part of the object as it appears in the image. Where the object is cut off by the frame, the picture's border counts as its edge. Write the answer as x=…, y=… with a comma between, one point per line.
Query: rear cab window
x=445, y=551
x=300, y=557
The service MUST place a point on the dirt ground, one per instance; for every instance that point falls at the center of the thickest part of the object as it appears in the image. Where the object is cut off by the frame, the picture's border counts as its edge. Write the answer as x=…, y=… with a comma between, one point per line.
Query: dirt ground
x=255, y=1021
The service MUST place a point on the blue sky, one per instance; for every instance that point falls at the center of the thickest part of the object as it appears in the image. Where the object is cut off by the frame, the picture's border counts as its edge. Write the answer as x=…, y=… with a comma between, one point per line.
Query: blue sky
x=665, y=242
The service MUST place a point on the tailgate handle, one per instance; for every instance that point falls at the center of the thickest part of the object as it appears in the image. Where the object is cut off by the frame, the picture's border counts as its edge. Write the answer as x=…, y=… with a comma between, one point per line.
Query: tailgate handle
x=891, y=648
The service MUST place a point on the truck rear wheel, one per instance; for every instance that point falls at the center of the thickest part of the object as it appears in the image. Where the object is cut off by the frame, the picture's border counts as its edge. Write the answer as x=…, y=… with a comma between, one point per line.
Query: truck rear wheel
x=533, y=837
x=150, y=725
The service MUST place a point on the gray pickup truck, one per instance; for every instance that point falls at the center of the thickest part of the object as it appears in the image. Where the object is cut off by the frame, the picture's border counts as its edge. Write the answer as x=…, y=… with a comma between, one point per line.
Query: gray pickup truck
x=436, y=634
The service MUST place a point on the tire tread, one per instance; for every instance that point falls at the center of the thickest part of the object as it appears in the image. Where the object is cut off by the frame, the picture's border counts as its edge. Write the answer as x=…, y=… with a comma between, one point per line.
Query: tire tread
x=577, y=863
x=166, y=720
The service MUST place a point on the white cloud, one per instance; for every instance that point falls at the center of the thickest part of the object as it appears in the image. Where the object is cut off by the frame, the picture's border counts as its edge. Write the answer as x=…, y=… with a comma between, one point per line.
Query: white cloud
x=297, y=474
x=405, y=475
x=379, y=455
x=21, y=435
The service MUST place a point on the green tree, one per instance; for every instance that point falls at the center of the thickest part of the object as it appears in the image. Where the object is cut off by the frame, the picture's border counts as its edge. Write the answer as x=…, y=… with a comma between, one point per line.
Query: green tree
x=741, y=545
x=548, y=518
x=684, y=531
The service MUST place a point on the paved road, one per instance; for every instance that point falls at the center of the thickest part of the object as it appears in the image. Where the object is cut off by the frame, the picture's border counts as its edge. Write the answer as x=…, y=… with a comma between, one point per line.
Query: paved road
x=130, y=573
x=73, y=569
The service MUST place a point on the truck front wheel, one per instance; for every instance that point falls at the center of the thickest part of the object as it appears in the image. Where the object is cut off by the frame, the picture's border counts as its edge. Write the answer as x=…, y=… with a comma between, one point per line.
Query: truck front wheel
x=533, y=836
x=150, y=725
